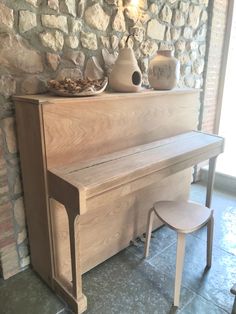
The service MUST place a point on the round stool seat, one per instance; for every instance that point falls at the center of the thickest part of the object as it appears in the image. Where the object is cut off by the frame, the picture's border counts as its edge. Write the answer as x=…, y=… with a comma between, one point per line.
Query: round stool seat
x=184, y=217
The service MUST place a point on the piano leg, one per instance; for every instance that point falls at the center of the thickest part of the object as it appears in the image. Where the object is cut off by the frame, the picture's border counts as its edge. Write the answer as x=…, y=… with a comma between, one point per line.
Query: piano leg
x=79, y=297
x=210, y=181
x=71, y=288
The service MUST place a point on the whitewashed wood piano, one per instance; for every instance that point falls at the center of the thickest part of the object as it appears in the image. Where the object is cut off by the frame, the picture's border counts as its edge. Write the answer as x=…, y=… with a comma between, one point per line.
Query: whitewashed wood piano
x=92, y=168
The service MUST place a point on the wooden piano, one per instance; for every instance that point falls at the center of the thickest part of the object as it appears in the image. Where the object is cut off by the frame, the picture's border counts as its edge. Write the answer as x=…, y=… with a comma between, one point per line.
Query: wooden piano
x=92, y=168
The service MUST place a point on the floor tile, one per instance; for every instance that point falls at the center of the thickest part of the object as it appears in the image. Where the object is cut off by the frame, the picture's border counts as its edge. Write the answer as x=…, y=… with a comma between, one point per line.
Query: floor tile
x=1, y=282
x=213, y=285
x=198, y=194
x=161, y=239
x=127, y=285
x=201, y=306
x=66, y=311
x=25, y=293
x=224, y=206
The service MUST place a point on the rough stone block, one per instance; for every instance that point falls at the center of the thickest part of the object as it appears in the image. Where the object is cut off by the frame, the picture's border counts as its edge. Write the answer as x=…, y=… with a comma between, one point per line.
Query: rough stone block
x=175, y=33
x=188, y=32
x=32, y=85
x=139, y=33
x=6, y=17
x=10, y=134
x=178, y=18
x=77, y=57
x=180, y=45
x=72, y=41
x=19, y=213
x=96, y=18
x=26, y=60
x=53, y=60
x=89, y=41
x=7, y=85
x=198, y=65
x=74, y=73
x=114, y=42
x=27, y=21
x=80, y=8
x=184, y=6
x=194, y=16
x=21, y=236
x=33, y=2
x=75, y=25
x=9, y=261
x=204, y=16
x=93, y=70
x=53, y=40
x=189, y=81
x=69, y=7
x=119, y=22
x=53, y=4
x=153, y=8
x=53, y=21
x=156, y=30
x=24, y=262
x=148, y=48
x=166, y=14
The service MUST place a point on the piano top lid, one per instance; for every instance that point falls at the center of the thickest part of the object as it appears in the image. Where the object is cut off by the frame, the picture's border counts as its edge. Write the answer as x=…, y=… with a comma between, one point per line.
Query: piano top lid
x=108, y=172
x=49, y=98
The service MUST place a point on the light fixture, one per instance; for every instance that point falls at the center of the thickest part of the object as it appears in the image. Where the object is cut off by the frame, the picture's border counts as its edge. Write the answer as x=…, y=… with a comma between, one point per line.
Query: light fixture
x=133, y=3
x=132, y=9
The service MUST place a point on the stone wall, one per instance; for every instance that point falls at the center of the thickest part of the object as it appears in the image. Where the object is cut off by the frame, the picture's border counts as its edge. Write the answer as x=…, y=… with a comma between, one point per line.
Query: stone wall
x=42, y=39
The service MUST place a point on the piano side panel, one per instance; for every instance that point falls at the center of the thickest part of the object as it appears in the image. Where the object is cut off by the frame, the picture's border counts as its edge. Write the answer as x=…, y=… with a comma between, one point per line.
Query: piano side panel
x=33, y=165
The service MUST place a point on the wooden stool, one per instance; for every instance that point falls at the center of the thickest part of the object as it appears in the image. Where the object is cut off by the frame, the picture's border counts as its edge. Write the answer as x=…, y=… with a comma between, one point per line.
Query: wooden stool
x=183, y=217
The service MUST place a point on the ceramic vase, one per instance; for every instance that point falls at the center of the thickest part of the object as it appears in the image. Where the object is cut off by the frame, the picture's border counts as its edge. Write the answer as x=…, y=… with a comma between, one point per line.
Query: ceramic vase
x=125, y=75
x=164, y=70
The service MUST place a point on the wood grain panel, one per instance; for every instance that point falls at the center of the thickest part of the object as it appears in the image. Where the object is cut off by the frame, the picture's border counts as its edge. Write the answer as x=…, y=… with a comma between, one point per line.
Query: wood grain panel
x=145, y=93
x=75, y=131
x=122, y=221
x=131, y=170
x=108, y=227
x=33, y=165
x=106, y=176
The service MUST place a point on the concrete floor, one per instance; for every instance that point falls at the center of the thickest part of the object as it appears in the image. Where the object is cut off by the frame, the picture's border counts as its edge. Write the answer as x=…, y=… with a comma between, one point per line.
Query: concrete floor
x=125, y=284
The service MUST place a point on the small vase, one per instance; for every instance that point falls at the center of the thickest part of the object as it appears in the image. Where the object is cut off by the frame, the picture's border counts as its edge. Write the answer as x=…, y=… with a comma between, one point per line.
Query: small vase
x=125, y=75
x=164, y=70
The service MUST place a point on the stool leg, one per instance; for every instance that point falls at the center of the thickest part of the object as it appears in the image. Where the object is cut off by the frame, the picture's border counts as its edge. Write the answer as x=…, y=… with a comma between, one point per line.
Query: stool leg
x=148, y=232
x=234, y=307
x=210, y=228
x=179, y=266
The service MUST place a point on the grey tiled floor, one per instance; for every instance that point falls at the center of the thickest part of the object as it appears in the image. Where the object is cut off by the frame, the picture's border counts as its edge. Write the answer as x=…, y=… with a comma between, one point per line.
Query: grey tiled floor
x=126, y=284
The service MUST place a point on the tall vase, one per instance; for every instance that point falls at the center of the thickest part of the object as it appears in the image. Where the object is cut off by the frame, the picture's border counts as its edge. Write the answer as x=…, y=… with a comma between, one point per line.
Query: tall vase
x=164, y=70
x=125, y=75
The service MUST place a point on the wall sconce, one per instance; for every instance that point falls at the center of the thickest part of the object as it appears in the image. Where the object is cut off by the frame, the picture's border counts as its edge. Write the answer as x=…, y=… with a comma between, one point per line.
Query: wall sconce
x=132, y=9
x=133, y=3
